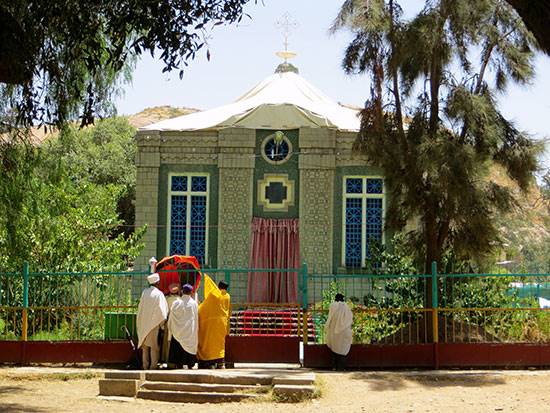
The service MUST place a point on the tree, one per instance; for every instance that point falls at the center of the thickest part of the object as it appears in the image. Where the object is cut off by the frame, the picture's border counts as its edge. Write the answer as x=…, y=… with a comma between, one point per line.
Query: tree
x=103, y=155
x=62, y=59
x=54, y=215
x=432, y=122
x=536, y=16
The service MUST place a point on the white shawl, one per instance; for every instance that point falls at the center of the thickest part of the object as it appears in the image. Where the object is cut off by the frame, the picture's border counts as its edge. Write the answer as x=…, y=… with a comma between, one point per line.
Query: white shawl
x=183, y=323
x=338, y=328
x=152, y=311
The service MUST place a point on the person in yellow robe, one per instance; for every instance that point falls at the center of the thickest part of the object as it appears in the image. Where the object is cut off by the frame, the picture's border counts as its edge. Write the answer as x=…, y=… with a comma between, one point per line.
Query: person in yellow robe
x=214, y=314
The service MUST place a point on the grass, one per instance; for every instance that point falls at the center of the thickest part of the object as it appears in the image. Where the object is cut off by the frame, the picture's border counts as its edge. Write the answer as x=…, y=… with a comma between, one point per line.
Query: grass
x=300, y=397
x=52, y=376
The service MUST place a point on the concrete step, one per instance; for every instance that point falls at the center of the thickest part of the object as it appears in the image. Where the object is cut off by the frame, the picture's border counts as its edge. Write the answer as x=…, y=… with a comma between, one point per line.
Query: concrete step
x=204, y=387
x=293, y=393
x=209, y=376
x=126, y=374
x=118, y=387
x=302, y=379
x=193, y=397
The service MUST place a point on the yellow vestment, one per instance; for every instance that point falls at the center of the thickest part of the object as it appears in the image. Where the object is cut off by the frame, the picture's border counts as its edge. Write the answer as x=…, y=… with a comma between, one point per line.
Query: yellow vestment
x=214, y=313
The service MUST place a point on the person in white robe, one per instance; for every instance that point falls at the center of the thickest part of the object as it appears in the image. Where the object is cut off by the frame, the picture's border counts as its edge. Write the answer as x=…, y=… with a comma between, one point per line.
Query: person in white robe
x=175, y=293
x=183, y=324
x=152, y=314
x=338, y=331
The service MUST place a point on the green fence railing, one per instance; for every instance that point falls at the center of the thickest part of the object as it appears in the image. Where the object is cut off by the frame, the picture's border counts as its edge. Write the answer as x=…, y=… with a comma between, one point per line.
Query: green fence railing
x=394, y=309
x=388, y=309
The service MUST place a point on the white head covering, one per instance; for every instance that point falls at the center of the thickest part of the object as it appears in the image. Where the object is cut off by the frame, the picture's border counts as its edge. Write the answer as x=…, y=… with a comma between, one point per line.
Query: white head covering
x=153, y=278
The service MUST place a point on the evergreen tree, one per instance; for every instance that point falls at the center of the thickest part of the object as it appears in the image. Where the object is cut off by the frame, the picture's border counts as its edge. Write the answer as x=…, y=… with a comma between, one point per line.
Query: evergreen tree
x=432, y=122
x=536, y=15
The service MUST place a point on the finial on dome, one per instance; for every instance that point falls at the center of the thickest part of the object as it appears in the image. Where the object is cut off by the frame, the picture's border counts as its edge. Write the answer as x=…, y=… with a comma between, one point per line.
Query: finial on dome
x=286, y=24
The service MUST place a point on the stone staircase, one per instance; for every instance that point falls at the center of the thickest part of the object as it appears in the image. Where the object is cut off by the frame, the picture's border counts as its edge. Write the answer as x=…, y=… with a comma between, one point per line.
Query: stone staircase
x=209, y=386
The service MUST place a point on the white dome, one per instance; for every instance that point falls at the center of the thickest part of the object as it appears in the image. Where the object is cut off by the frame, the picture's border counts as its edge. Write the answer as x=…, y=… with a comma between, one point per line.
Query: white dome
x=280, y=101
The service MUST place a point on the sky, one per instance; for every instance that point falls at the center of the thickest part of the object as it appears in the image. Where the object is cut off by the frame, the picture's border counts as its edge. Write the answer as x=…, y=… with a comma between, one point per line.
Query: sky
x=242, y=55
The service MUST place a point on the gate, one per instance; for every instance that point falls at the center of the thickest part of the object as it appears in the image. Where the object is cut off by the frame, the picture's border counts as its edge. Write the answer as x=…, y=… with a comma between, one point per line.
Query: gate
x=264, y=332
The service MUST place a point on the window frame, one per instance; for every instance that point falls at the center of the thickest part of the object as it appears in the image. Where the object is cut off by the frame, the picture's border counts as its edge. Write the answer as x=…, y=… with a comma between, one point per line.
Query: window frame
x=363, y=196
x=188, y=194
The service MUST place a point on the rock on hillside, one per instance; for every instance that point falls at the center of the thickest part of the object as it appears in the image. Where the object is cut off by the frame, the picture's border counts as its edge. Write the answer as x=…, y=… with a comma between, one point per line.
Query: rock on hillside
x=156, y=114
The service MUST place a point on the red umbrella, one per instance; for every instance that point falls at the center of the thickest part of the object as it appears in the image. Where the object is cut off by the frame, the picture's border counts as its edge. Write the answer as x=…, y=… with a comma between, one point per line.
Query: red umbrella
x=178, y=269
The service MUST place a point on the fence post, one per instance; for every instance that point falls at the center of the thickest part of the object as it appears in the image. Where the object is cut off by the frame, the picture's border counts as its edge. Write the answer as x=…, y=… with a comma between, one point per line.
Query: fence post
x=304, y=286
x=434, y=285
x=227, y=276
x=435, y=315
x=304, y=305
x=25, y=317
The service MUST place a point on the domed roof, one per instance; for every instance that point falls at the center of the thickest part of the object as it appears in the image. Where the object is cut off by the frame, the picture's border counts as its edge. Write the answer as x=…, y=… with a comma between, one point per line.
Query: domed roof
x=281, y=101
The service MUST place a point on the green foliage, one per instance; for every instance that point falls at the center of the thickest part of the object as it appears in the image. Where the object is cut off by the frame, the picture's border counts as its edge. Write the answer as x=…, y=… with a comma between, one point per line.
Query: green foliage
x=393, y=258
x=5, y=332
x=58, y=334
x=59, y=212
x=102, y=155
x=444, y=129
x=63, y=59
x=384, y=294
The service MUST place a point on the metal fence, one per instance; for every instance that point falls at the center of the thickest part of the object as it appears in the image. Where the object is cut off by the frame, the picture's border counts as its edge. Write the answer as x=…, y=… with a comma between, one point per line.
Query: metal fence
x=461, y=308
x=494, y=308
x=388, y=309
x=98, y=305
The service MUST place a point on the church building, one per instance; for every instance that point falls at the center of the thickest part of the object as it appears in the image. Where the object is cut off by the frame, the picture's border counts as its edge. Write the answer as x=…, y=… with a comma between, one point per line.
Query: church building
x=268, y=181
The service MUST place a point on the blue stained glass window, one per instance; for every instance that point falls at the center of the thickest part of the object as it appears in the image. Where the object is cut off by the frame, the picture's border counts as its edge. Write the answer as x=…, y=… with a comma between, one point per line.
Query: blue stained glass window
x=198, y=183
x=373, y=221
x=354, y=232
x=178, y=224
x=363, y=218
x=198, y=227
x=179, y=183
x=188, y=232
x=354, y=185
x=375, y=186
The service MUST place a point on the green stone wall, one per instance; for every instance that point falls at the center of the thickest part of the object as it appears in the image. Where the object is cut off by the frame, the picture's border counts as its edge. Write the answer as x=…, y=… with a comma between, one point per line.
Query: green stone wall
x=232, y=158
x=147, y=180
x=290, y=167
x=236, y=172
x=317, y=164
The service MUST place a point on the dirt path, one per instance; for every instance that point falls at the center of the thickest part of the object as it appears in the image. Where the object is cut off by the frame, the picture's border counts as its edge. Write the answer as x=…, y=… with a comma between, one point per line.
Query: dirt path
x=464, y=392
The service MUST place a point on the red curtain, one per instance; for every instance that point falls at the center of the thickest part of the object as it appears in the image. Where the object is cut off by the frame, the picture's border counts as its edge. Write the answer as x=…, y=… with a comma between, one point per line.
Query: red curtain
x=274, y=244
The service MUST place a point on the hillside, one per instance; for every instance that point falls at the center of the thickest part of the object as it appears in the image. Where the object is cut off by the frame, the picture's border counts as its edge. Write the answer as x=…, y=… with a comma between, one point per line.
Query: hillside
x=156, y=114
x=525, y=230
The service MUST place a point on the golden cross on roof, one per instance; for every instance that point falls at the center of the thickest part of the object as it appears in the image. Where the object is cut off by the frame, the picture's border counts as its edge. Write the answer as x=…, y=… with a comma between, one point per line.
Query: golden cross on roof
x=286, y=24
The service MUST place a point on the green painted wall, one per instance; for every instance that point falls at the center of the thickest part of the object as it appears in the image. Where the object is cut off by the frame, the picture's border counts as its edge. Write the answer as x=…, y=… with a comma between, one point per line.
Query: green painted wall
x=212, y=170
x=290, y=167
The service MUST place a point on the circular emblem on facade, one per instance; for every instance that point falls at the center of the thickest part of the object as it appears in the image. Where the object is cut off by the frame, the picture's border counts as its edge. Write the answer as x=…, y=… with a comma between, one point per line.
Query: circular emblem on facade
x=276, y=148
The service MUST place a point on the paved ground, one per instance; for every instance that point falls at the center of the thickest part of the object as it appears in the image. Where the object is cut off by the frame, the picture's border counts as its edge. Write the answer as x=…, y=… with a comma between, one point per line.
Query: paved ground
x=62, y=389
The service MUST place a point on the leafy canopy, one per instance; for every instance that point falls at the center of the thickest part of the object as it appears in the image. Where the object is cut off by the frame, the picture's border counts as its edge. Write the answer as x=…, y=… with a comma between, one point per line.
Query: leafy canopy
x=62, y=205
x=103, y=155
x=60, y=59
x=432, y=122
